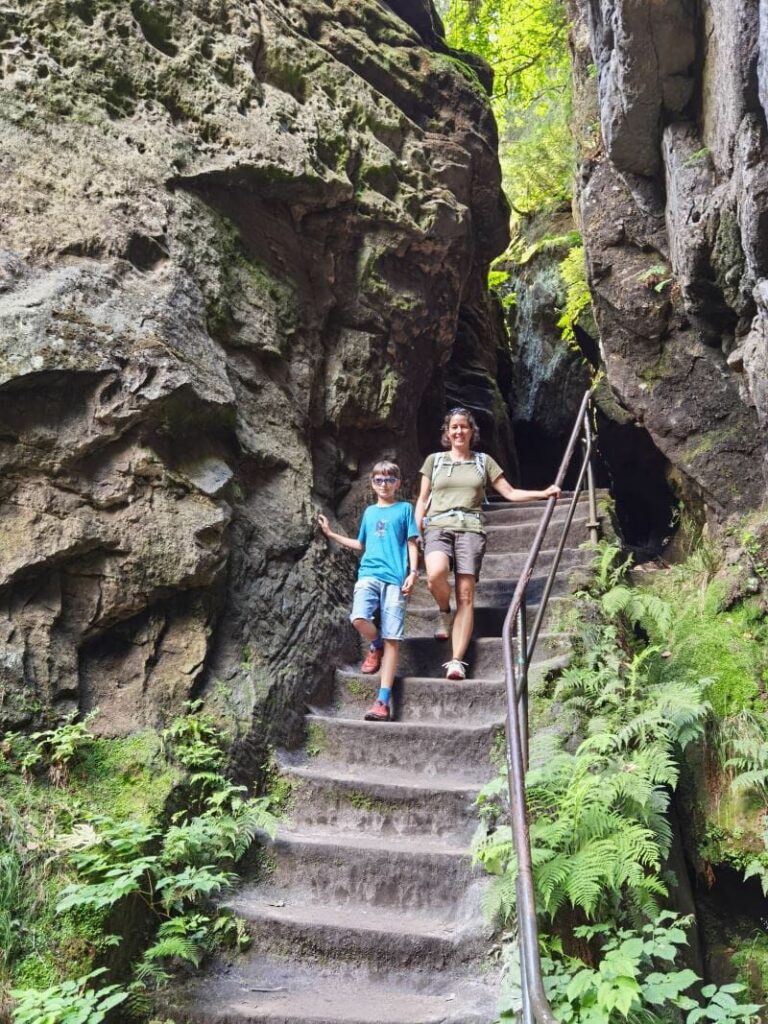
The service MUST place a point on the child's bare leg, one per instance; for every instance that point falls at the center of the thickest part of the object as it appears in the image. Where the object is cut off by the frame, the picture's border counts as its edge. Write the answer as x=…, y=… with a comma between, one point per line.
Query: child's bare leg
x=389, y=663
x=366, y=629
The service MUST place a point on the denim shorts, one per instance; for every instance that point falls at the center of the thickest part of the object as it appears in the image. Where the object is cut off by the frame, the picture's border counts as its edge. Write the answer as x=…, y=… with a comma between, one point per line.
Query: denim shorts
x=372, y=595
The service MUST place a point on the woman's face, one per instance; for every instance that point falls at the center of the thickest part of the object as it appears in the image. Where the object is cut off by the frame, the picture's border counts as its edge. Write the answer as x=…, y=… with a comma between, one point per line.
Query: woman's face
x=459, y=431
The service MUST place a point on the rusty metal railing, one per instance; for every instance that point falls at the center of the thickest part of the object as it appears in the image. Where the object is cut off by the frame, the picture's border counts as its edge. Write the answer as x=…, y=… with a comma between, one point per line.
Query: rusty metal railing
x=518, y=647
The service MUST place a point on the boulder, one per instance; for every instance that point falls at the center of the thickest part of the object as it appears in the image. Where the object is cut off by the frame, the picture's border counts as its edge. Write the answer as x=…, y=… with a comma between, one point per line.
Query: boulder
x=238, y=240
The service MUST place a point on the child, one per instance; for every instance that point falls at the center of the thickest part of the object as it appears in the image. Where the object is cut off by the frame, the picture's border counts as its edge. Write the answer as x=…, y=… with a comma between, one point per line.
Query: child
x=387, y=574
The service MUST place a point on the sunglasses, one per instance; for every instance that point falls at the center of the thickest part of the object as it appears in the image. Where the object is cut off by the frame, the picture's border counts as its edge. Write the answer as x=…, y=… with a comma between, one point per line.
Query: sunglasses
x=385, y=480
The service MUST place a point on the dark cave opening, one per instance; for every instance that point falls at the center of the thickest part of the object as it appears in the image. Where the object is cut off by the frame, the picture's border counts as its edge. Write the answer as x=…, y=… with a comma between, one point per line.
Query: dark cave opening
x=732, y=916
x=627, y=462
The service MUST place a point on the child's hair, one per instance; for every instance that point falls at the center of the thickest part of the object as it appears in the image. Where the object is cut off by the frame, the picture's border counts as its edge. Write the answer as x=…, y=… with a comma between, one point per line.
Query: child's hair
x=459, y=411
x=387, y=468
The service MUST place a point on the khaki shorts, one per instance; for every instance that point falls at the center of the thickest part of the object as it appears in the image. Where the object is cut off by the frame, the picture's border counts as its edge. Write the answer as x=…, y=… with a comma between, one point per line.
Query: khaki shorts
x=464, y=548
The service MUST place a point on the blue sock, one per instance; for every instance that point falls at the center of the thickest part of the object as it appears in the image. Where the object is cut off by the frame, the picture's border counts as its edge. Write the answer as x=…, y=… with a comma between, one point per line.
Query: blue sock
x=377, y=644
x=384, y=694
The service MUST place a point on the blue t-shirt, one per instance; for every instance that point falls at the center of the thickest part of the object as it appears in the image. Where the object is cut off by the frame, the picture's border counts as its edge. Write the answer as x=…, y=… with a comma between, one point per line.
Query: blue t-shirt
x=384, y=530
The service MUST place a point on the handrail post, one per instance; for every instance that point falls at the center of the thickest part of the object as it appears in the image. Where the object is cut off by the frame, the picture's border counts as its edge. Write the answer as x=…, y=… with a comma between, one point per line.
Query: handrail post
x=526, y=1016
x=594, y=523
x=521, y=671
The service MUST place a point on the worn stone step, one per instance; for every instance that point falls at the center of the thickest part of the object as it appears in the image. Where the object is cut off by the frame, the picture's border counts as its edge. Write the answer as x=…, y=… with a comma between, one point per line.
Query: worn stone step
x=272, y=990
x=488, y=620
x=531, y=511
x=380, y=802
x=418, y=699
x=509, y=566
x=499, y=593
x=428, y=748
x=403, y=872
x=424, y=698
x=518, y=536
x=423, y=656
x=359, y=934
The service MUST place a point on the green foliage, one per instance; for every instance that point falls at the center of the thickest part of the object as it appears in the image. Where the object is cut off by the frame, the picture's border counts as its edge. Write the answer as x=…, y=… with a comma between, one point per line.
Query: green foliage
x=525, y=42
x=56, y=749
x=578, y=299
x=599, y=832
x=71, y=1002
x=92, y=862
x=637, y=978
x=708, y=640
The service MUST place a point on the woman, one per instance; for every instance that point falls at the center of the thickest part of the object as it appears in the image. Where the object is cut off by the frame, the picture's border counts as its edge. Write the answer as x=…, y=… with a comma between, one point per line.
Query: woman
x=449, y=511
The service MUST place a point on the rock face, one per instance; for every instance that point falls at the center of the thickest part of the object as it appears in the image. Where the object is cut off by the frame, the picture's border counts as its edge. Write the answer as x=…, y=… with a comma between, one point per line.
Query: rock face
x=237, y=241
x=673, y=200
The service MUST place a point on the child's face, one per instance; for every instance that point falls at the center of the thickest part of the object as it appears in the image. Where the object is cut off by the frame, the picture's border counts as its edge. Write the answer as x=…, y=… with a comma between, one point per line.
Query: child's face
x=384, y=484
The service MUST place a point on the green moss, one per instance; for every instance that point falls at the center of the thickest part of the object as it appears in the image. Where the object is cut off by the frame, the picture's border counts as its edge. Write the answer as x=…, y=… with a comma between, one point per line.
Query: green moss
x=317, y=741
x=728, y=257
x=365, y=802
x=127, y=776
x=120, y=778
x=704, y=444
x=448, y=62
x=359, y=688
x=751, y=963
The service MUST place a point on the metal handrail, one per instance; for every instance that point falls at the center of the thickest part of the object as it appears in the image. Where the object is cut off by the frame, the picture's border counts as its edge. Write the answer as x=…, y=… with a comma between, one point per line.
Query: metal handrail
x=518, y=647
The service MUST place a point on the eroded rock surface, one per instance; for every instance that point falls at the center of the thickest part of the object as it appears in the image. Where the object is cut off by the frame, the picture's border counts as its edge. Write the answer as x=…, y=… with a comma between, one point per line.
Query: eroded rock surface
x=237, y=241
x=673, y=201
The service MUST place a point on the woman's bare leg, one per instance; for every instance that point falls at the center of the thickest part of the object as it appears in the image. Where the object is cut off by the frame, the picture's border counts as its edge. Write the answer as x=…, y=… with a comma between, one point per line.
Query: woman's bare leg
x=438, y=568
x=464, y=622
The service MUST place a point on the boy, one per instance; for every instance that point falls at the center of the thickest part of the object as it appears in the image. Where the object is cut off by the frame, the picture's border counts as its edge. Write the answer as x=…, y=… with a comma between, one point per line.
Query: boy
x=387, y=574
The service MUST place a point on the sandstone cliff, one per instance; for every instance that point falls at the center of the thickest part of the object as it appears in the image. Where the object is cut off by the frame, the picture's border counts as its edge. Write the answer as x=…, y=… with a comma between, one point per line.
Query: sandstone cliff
x=237, y=241
x=673, y=198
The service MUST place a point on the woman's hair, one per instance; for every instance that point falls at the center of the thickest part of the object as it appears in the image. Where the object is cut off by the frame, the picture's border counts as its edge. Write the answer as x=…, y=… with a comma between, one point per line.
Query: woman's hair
x=459, y=411
x=387, y=468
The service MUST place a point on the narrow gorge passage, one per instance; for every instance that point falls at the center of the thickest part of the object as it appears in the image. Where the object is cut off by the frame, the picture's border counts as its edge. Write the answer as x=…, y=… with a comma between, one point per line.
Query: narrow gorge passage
x=366, y=909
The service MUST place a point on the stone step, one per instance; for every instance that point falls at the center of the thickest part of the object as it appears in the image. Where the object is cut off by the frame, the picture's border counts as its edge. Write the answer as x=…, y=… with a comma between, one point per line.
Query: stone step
x=531, y=511
x=489, y=619
x=380, y=802
x=272, y=990
x=424, y=698
x=428, y=748
x=400, y=872
x=518, y=536
x=509, y=566
x=498, y=593
x=423, y=656
x=358, y=934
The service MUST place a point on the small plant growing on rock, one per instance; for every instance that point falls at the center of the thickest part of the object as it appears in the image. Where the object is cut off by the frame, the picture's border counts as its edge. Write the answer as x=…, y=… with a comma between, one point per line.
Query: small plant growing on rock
x=656, y=278
x=58, y=748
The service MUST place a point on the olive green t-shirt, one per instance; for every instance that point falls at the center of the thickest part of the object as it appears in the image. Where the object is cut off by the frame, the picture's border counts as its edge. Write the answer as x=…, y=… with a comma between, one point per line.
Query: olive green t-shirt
x=458, y=486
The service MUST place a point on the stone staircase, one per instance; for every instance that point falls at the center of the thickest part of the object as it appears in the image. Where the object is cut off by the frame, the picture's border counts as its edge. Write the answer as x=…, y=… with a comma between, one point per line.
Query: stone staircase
x=369, y=911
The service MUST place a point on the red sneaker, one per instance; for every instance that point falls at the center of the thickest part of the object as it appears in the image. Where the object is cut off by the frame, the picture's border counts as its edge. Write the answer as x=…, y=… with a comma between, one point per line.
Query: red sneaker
x=372, y=660
x=378, y=713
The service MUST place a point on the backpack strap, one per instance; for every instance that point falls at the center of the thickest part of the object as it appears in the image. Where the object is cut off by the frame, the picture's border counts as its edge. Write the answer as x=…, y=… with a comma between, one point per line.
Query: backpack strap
x=438, y=462
x=480, y=460
x=481, y=465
